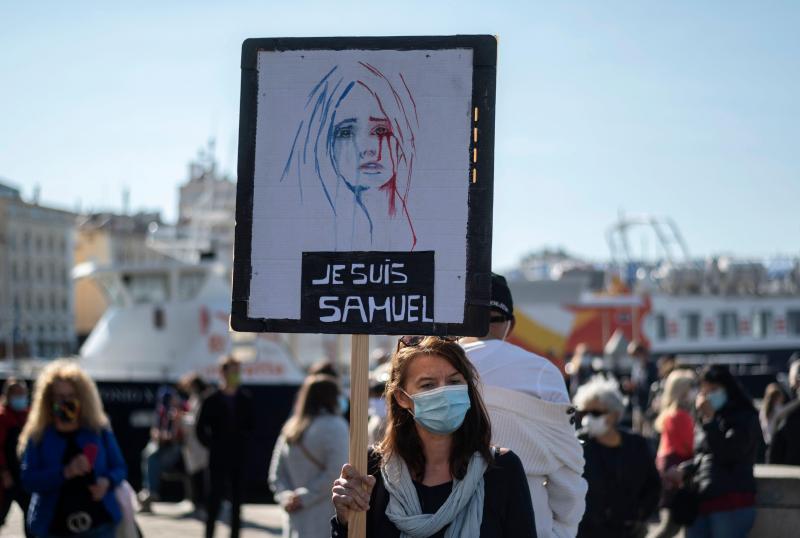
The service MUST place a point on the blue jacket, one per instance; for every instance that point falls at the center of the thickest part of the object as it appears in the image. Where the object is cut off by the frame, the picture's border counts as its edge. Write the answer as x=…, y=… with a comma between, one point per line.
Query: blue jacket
x=42, y=473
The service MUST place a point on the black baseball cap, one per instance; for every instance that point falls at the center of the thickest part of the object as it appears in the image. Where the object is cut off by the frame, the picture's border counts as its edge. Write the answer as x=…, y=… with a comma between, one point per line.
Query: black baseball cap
x=501, y=301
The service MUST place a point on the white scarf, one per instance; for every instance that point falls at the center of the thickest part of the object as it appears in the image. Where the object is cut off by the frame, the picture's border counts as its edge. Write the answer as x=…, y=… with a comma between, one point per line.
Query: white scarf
x=463, y=509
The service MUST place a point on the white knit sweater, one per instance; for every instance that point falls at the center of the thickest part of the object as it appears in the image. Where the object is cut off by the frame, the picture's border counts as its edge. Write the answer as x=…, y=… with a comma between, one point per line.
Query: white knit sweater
x=541, y=434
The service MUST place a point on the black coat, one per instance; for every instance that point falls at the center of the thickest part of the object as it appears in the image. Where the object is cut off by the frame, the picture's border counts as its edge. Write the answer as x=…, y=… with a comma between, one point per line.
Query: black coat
x=507, y=507
x=725, y=451
x=225, y=429
x=624, y=487
x=785, y=447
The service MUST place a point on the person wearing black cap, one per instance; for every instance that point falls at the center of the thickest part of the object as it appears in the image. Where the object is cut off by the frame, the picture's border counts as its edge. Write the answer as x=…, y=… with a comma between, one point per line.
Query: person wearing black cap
x=531, y=413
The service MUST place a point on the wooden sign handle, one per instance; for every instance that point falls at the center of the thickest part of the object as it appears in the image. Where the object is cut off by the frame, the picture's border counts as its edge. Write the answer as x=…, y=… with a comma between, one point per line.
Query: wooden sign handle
x=359, y=396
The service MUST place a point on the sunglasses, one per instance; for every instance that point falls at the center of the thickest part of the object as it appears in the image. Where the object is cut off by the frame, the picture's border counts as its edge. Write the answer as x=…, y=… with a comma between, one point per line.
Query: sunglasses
x=415, y=340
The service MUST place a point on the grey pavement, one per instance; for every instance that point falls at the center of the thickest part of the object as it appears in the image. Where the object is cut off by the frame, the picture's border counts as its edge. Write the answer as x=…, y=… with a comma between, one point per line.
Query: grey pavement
x=174, y=519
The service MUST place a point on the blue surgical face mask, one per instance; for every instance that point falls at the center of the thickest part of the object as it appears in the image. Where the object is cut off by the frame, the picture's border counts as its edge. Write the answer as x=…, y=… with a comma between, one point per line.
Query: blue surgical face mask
x=18, y=403
x=717, y=399
x=441, y=410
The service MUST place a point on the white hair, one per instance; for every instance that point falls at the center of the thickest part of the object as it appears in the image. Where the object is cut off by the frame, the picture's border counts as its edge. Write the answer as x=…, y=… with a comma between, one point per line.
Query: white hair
x=606, y=391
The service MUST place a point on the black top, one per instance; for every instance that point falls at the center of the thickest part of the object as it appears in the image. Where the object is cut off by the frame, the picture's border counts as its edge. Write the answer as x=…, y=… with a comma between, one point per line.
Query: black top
x=725, y=450
x=224, y=425
x=624, y=487
x=785, y=446
x=76, y=512
x=507, y=508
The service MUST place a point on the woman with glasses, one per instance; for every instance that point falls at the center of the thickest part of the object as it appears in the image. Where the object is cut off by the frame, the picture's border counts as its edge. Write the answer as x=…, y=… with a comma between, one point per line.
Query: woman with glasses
x=435, y=472
x=71, y=461
x=624, y=485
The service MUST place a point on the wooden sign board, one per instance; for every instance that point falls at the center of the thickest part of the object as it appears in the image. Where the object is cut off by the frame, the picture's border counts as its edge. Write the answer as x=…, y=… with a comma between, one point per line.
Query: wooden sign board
x=364, y=198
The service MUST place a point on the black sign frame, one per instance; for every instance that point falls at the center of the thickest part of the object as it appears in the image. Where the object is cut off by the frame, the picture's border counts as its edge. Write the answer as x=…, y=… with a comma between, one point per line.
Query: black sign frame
x=480, y=194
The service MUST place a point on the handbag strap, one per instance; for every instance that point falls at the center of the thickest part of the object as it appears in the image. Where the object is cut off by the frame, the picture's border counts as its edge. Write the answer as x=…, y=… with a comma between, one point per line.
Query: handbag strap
x=310, y=456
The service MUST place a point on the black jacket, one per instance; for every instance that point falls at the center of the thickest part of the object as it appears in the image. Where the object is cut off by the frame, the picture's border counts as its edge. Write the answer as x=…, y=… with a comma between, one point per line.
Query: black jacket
x=624, y=487
x=507, y=508
x=725, y=451
x=785, y=446
x=224, y=428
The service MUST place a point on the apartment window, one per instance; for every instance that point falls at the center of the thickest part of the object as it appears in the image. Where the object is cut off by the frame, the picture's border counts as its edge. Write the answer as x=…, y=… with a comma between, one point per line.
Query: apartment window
x=728, y=324
x=793, y=322
x=691, y=324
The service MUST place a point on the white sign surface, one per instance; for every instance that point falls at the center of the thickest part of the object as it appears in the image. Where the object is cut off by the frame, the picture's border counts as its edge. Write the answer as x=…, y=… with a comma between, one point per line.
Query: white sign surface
x=359, y=151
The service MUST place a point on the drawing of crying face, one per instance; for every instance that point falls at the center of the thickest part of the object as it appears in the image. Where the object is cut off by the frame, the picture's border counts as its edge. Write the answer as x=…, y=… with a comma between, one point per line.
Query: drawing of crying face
x=362, y=140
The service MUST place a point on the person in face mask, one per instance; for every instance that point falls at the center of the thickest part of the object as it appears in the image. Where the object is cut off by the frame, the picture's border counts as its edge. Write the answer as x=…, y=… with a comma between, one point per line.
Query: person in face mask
x=224, y=424
x=435, y=473
x=13, y=414
x=785, y=446
x=624, y=485
x=514, y=380
x=71, y=462
x=726, y=446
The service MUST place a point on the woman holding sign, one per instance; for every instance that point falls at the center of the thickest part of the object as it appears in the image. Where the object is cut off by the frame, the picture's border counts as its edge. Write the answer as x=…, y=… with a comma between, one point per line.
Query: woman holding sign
x=435, y=472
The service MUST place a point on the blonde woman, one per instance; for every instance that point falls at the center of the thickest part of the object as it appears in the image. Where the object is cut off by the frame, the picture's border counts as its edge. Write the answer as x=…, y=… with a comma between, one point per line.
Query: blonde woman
x=71, y=462
x=676, y=445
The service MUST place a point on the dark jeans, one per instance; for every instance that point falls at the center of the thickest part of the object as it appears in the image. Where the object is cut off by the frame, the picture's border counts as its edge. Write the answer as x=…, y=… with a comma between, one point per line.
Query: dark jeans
x=224, y=480
x=730, y=524
x=23, y=499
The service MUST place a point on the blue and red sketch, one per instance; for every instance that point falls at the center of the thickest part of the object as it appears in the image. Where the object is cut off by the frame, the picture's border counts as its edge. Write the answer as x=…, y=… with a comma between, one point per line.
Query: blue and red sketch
x=357, y=141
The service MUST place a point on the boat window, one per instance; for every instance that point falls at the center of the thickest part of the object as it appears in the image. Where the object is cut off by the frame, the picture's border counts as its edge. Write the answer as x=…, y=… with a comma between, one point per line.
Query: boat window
x=728, y=324
x=762, y=321
x=113, y=290
x=147, y=288
x=691, y=325
x=189, y=284
x=158, y=318
x=793, y=322
x=660, y=321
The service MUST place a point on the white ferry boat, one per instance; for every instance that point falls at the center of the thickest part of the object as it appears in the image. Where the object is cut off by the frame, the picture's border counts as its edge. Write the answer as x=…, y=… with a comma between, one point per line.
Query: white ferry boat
x=742, y=312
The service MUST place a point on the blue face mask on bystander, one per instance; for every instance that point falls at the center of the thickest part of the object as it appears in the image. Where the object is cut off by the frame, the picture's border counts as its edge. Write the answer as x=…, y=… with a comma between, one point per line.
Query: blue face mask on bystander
x=717, y=399
x=441, y=410
x=18, y=403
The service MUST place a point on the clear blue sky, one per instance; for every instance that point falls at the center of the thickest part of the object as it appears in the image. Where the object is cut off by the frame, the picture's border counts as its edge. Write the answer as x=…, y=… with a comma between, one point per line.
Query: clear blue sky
x=687, y=109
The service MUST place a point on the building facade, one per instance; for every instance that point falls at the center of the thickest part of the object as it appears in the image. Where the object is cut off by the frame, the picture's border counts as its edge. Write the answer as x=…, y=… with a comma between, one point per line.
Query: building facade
x=36, y=290
x=108, y=239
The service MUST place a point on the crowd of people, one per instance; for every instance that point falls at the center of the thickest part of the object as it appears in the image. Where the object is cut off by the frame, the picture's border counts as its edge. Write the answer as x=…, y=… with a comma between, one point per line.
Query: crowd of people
x=471, y=437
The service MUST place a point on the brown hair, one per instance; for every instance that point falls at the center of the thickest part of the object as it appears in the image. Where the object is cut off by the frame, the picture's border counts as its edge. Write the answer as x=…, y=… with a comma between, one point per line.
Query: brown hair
x=401, y=437
x=228, y=361
x=770, y=401
x=10, y=384
x=319, y=394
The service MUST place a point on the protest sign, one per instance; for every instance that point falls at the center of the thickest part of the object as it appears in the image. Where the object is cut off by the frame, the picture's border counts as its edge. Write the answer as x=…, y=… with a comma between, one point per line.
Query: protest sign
x=364, y=197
